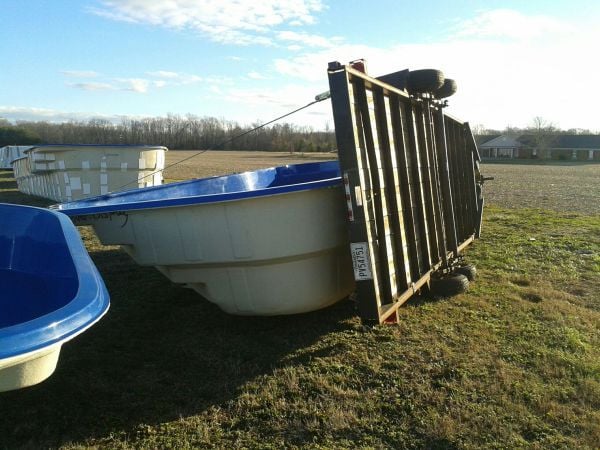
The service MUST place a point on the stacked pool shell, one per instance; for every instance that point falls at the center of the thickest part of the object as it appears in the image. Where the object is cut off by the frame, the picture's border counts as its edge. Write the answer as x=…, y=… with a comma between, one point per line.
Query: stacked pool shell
x=22, y=174
x=9, y=153
x=65, y=173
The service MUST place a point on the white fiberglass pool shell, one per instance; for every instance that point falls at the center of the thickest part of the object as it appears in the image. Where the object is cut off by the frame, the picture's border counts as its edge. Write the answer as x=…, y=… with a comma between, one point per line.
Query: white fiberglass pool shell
x=9, y=153
x=22, y=174
x=71, y=172
x=268, y=242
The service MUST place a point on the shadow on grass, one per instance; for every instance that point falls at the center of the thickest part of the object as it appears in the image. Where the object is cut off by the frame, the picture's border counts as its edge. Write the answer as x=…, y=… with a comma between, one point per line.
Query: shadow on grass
x=7, y=184
x=15, y=197
x=10, y=194
x=162, y=352
x=7, y=181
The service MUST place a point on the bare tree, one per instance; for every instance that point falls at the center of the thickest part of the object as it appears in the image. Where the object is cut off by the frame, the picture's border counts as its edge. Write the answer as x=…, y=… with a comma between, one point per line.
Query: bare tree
x=544, y=135
x=184, y=132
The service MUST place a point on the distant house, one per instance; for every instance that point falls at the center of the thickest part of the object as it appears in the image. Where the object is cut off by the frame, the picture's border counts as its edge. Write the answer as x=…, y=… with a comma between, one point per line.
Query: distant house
x=580, y=147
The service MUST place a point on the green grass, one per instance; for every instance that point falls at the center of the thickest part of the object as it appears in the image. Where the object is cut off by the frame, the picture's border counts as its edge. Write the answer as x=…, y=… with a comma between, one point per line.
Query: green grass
x=513, y=363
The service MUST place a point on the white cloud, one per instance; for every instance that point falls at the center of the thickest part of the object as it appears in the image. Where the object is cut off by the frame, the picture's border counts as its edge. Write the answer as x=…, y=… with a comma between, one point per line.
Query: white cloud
x=164, y=74
x=188, y=79
x=279, y=101
x=80, y=73
x=175, y=77
x=23, y=113
x=158, y=79
x=135, y=84
x=256, y=76
x=310, y=40
x=253, y=103
x=239, y=22
x=93, y=86
x=507, y=23
x=500, y=82
x=289, y=96
x=311, y=66
x=226, y=36
x=218, y=80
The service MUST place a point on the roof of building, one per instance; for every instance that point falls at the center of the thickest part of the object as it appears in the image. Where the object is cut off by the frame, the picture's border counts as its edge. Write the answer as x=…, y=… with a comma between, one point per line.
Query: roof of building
x=482, y=138
x=565, y=141
x=502, y=141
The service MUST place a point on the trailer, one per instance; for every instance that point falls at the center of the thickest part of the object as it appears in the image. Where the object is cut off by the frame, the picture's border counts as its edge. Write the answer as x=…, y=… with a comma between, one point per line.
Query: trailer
x=412, y=183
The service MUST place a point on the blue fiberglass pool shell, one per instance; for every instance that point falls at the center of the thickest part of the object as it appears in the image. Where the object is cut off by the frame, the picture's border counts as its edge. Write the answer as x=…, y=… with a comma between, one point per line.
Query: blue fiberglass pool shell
x=264, y=182
x=266, y=242
x=50, y=291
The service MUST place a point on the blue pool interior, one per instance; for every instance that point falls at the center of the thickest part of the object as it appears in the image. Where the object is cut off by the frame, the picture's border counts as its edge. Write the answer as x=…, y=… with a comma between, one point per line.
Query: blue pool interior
x=35, y=264
x=49, y=287
x=271, y=181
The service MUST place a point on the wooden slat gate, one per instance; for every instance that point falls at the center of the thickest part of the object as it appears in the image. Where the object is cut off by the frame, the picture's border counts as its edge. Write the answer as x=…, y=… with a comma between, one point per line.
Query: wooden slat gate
x=412, y=187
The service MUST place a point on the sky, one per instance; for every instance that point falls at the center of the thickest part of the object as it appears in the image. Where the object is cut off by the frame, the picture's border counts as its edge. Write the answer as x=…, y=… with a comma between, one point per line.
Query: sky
x=252, y=60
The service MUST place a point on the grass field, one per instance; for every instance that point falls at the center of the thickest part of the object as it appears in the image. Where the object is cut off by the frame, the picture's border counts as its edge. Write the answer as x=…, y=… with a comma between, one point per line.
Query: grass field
x=513, y=363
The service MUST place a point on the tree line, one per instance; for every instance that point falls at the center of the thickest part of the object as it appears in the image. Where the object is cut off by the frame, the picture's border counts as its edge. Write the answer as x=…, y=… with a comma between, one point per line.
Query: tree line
x=192, y=132
x=538, y=125
x=174, y=131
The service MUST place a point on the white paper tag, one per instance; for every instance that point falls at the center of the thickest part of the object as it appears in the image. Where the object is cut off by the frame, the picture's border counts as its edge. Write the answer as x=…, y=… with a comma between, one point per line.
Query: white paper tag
x=358, y=195
x=361, y=261
x=75, y=183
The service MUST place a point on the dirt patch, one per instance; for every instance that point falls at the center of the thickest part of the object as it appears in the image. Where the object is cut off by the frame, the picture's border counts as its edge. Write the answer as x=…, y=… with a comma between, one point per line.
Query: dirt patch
x=564, y=188
x=212, y=163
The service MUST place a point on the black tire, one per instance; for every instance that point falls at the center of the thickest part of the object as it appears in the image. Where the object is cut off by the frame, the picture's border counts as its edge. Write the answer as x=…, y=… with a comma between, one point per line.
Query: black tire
x=448, y=88
x=449, y=285
x=424, y=80
x=468, y=270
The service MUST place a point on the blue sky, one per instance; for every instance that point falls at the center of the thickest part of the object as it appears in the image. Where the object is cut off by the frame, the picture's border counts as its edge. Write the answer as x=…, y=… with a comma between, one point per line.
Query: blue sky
x=249, y=61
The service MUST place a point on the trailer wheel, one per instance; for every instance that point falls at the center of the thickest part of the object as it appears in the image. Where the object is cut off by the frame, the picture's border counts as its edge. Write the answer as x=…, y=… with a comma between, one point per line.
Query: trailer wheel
x=447, y=89
x=450, y=285
x=468, y=270
x=424, y=80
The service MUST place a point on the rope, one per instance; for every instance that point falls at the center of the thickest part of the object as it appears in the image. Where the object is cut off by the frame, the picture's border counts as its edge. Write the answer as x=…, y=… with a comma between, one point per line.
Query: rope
x=318, y=98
